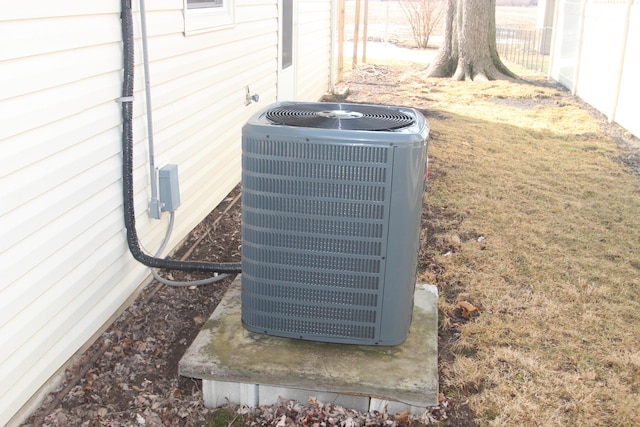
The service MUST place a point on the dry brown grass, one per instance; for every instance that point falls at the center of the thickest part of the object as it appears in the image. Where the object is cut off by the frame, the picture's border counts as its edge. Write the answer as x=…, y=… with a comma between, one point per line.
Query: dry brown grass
x=531, y=218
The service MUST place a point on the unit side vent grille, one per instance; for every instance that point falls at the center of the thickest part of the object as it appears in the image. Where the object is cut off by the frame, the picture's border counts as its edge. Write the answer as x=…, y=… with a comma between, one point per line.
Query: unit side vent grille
x=323, y=208
x=305, y=328
x=312, y=170
x=298, y=187
x=302, y=279
x=311, y=260
x=314, y=235
x=312, y=311
x=331, y=153
x=284, y=292
x=331, y=227
x=317, y=244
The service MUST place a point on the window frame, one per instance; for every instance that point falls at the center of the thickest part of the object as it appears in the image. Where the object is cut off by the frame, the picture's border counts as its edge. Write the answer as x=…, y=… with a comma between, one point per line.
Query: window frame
x=208, y=17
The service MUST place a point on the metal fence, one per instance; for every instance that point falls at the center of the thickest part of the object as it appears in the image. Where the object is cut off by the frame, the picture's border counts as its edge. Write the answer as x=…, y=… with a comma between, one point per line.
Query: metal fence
x=529, y=48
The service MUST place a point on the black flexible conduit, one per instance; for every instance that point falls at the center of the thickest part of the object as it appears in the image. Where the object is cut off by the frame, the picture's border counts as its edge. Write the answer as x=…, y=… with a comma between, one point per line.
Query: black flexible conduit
x=127, y=166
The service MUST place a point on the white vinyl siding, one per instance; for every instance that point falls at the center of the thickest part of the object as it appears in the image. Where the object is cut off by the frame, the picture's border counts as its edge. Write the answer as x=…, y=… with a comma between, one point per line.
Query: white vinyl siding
x=629, y=96
x=595, y=55
x=64, y=270
x=600, y=55
x=313, y=49
x=64, y=262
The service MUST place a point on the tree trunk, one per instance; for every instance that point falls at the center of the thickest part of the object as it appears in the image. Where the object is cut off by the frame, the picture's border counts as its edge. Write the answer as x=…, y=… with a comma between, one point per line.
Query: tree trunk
x=469, y=48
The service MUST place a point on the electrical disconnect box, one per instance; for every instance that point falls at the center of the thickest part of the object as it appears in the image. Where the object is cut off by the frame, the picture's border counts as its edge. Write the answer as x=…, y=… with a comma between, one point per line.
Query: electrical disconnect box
x=169, y=188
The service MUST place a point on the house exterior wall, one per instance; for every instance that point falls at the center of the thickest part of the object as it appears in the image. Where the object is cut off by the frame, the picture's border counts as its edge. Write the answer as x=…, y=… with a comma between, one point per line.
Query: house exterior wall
x=628, y=106
x=594, y=55
x=64, y=262
x=564, y=50
x=314, y=49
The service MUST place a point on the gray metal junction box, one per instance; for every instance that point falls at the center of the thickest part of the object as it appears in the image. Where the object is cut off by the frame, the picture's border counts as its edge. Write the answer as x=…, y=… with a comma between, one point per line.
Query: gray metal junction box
x=331, y=207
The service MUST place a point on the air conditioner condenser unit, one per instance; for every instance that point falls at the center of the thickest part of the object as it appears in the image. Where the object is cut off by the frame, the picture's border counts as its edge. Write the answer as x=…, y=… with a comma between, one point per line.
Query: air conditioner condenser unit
x=331, y=206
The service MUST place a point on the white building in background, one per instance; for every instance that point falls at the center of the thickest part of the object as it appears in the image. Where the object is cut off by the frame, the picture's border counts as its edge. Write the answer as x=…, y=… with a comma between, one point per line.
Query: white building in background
x=595, y=55
x=65, y=269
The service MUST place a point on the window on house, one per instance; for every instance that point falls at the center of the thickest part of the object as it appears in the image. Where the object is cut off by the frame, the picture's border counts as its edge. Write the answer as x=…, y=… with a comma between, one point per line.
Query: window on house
x=200, y=4
x=207, y=15
x=287, y=33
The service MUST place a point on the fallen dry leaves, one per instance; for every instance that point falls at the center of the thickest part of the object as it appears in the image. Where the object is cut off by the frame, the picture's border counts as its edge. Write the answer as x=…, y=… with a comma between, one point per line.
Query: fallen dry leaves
x=288, y=413
x=467, y=309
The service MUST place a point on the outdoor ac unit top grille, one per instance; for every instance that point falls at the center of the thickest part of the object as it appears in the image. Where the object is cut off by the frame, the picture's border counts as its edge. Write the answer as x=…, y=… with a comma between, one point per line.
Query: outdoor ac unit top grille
x=337, y=116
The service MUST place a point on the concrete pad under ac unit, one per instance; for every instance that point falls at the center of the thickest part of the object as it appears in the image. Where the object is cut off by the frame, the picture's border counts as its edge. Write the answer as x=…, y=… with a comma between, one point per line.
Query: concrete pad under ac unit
x=241, y=367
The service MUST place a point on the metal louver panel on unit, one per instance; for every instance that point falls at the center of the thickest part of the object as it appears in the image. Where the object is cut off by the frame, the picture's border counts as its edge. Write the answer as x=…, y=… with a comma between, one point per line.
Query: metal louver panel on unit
x=339, y=190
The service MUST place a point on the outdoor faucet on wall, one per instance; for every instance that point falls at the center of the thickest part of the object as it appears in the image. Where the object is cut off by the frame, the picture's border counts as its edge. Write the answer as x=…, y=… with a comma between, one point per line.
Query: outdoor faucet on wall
x=249, y=98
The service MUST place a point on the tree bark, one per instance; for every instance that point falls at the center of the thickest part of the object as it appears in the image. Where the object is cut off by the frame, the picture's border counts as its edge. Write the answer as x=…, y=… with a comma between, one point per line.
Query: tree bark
x=469, y=51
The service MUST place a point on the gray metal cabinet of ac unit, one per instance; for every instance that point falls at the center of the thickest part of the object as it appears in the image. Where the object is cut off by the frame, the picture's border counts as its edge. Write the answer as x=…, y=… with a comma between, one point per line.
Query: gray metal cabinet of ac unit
x=331, y=207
